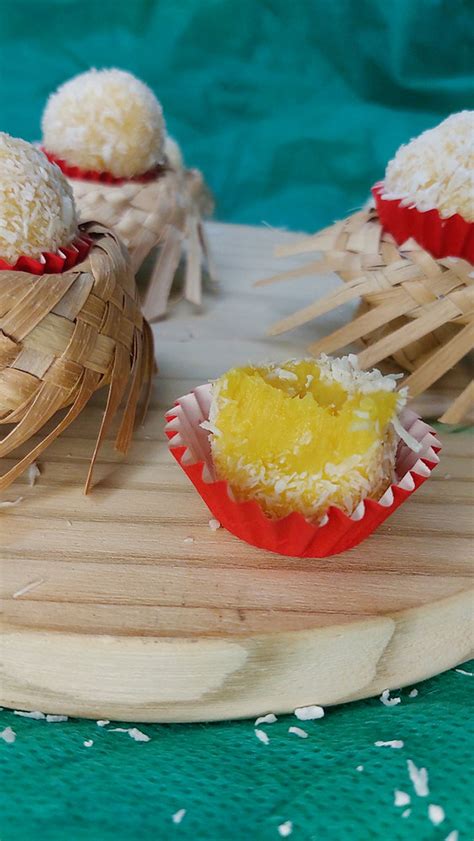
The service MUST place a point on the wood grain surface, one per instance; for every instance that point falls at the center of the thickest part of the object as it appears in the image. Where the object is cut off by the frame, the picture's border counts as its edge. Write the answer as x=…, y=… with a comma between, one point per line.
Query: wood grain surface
x=110, y=611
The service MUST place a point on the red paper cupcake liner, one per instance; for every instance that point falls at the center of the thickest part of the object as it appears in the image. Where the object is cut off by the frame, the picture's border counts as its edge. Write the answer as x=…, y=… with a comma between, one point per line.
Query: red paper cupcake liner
x=450, y=237
x=103, y=177
x=52, y=263
x=292, y=535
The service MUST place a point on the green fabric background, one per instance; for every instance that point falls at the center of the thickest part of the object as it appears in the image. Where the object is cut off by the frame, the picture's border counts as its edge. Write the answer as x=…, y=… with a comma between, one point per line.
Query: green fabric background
x=292, y=110
x=235, y=787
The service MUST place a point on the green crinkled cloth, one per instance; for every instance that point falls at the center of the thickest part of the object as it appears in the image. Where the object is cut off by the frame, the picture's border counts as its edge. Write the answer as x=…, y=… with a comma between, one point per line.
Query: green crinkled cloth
x=234, y=787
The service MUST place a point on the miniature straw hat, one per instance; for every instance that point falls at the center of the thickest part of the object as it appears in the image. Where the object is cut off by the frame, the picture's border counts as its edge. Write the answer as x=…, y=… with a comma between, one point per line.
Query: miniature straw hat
x=63, y=336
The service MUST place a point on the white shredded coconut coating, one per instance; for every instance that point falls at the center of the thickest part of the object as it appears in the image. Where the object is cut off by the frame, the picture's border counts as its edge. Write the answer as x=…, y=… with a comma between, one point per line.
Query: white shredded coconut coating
x=435, y=169
x=107, y=121
x=56, y=719
x=28, y=587
x=298, y=731
x=8, y=735
x=10, y=503
x=419, y=778
x=133, y=732
x=309, y=713
x=137, y=735
x=88, y=743
x=37, y=210
x=285, y=829
x=393, y=743
x=262, y=736
x=387, y=701
x=102, y=722
x=32, y=474
x=178, y=816
x=413, y=693
x=270, y=718
x=436, y=814
x=401, y=798
x=35, y=714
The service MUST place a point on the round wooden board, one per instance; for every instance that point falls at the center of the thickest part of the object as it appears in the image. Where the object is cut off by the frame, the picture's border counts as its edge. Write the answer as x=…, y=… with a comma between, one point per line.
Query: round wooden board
x=110, y=611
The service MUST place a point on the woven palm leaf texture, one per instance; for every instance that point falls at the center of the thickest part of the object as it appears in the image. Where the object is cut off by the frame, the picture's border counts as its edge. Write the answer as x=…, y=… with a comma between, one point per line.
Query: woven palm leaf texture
x=64, y=336
x=166, y=211
x=414, y=308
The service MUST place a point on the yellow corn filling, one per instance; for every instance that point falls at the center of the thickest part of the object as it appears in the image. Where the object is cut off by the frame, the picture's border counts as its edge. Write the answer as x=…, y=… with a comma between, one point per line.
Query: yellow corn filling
x=304, y=435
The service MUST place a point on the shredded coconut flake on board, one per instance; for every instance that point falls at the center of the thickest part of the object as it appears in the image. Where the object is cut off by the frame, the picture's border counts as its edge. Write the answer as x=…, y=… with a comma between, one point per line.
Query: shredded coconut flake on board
x=32, y=474
x=435, y=814
x=309, y=713
x=387, y=701
x=8, y=735
x=55, y=719
x=285, y=829
x=178, y=816
x=28, y=587
x=214, y=524
x=188, y=540
x=401, y=798
x=463, y=672
x=36, y=714
x=102, y=722
x=419, y=778
x=270, y=718
x=262, y=736
x=413, y=693
x=10, y=503
x=393, y=743
x=88, y=743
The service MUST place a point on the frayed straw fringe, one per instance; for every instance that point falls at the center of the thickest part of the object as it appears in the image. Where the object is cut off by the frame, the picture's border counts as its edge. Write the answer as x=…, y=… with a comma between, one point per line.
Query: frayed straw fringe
x=415, y=308
x=64, y=336
x=166, y=212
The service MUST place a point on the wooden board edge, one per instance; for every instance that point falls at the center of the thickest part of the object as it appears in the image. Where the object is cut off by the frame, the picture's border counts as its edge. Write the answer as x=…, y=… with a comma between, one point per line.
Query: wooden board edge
x=183, y=680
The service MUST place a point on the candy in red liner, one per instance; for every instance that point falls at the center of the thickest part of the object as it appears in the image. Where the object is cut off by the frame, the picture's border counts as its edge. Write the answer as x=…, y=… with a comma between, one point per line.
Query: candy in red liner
x=292, y=535
x=442, y=237
x=50, y=263
x=72, y=171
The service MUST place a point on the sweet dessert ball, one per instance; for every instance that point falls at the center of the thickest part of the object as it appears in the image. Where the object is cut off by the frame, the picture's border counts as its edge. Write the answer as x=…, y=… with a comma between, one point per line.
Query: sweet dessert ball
x=435, y=170
x=306, y=434
x=36, y=204
x=105, y=121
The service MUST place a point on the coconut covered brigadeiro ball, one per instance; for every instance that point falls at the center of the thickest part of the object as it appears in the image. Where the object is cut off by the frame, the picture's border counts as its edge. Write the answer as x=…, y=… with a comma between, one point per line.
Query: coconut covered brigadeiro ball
x=306, y=434
x=37, y=211
x=106, y=121
x=435, y=170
